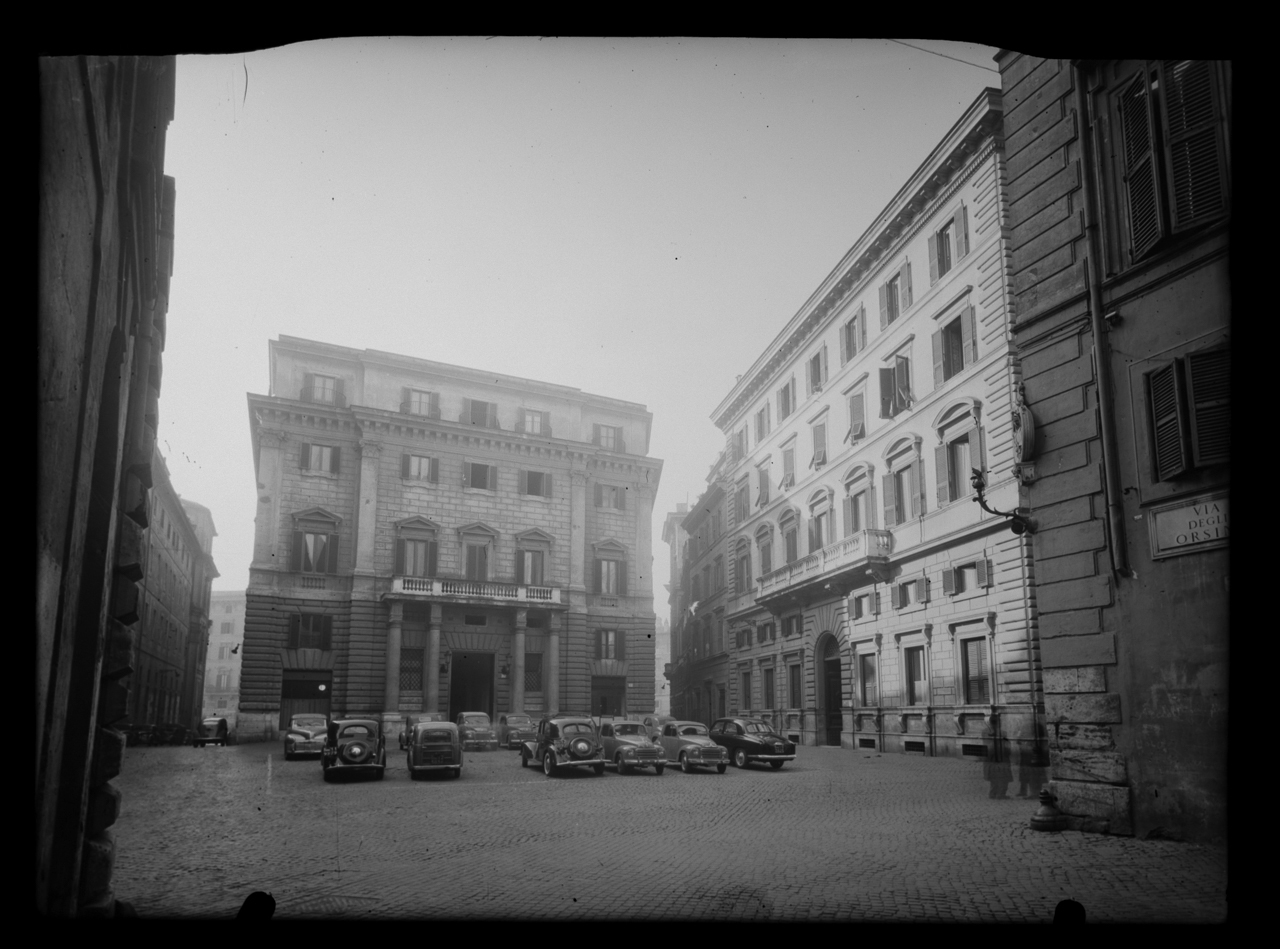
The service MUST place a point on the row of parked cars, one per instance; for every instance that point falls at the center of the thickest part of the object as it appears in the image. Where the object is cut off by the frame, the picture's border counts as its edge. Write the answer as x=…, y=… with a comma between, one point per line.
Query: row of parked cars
x=556, y=743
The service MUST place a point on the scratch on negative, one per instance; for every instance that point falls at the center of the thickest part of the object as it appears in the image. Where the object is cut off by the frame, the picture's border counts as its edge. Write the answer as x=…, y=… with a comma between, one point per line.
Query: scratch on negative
x=246, y=82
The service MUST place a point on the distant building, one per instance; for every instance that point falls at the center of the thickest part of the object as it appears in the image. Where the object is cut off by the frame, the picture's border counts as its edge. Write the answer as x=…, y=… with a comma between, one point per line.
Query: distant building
x=222, y=664
x=441, y=538
x=203, y=573
x=662, y=655
x=1119, y=183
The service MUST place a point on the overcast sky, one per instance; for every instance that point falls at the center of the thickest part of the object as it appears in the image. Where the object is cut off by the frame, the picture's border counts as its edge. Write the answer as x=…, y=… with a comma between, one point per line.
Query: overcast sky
x=636, y=218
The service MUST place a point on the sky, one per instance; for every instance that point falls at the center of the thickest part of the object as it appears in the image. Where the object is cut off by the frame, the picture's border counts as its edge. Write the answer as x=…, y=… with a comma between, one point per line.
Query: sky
x=637, y=218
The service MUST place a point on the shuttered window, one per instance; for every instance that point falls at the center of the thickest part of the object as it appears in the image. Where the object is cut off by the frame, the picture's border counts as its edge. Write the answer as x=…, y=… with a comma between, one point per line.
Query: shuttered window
x=917, y=692
x=955, y=346
x=611, y=495
x=475, y=412
x=788, y=467
x=478, y=562
x=476, y=475
x=867, y=680
x=795, y=695
x=533, y=422
x=419, y=468
x=536, y=483
x=786, y=399
x=319, y=457
x=608, y=437
x=1188, y=404
x=611, y=576
x=977, y=683
x=762, y=479
x=416, y=557
x=819, y=446
x=763, y=422
x=853, y=335
x=817, y=370
x=895, y=387
x=420, y=402
x=314, y=551
x=766, y=557
x=529, y=567
x=857, y=417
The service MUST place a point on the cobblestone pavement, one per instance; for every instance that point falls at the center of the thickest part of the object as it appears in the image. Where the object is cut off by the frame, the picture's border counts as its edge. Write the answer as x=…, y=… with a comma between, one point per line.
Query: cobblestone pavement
x=835, y=835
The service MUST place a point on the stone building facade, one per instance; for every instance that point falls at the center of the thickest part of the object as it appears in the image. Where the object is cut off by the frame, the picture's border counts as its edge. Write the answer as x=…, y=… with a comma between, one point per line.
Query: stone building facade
x=106, y=218
x=1119, y=185
x=868, y=601
x=441, y=538
x=222, y=661
x=203, y=573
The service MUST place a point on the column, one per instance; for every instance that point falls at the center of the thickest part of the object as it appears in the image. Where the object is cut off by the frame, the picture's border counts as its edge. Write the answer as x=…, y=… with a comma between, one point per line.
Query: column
x=553, y=665
x=432, y=671
x=517, y=662
x=367, y=509
x=391, y=702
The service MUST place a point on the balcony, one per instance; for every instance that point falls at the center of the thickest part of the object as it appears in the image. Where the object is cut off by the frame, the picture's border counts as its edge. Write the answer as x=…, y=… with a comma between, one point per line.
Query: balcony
x=474, y=591
x=841, y=565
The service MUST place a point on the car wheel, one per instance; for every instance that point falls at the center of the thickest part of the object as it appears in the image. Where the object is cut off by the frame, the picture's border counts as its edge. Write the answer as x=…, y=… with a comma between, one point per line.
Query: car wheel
x=658, y=768
x=739, y=759
x=599, y=769
x=684, y=764
x=457, y=772
x=721, y=768
x=776, y=765
x=548, y=764
x=524, y=760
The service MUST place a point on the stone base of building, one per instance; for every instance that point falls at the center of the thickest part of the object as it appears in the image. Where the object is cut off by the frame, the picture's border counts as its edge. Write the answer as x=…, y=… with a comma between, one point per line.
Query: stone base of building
x=1093, y=807
x=258, y=726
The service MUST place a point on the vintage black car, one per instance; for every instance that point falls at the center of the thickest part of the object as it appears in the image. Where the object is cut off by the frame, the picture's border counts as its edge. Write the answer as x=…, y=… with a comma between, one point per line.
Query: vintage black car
x=749, y=739
x=477, y=732
x=433, y=746
x=212, y=731
x=514, y=729
x=564, y=742
x=306, y=735
x=628, y=746
x=411, y=720
x=356, y=745
x=688, y=744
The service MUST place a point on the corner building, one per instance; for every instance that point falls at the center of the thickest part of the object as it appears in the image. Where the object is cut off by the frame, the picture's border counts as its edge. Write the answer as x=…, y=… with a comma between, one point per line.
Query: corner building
x=431, y=537
x=868, y=601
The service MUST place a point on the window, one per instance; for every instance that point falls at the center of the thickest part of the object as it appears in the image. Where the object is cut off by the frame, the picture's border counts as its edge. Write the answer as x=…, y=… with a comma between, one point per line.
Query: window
x=719, y=573
x=310, y=631
x=903, y=490
x=529, y=567
x=817, y=370
x=1173, y=151
x=791, y=625
x=866, y=605
x=895, y=387
x=745, y=699
x=315, y=549
x=742, y=575
x=318, y=457
x=853, y=335
x=867, y=693
x=857, y=418
x=766, y=632
x=611, y=570
x=977, y=683
x=764, y=541
x=767, y=699
x=819, y=445
x=419, y=468
x=794, y=694
x=475, y=619
x=911, y=592
x=788, y=466
x=420, y=402
x=762, y=481
x=958, y=454
x=475, y=412
x=1189, y=407
x=917, y=693
x=857, y=506
x=228, y=608
x=416, y=557
x=223, y=680
x=819, y=528
x=225, y=629
x=741, y=503
x=739, y=444
x=716, y=530
x=609, y=644
x=762, y=423
x=223, y=652
x=476, y=475
x=895, y=295
x=609, y=437
x=955, y=346
x=787, y=399
x=611, y=495
x=948, y=244
x=533, y=422
x=966, y=578
x=533, y=672
x=536, y=483
x=706, y=580
x=790, y=527
x=327, y=390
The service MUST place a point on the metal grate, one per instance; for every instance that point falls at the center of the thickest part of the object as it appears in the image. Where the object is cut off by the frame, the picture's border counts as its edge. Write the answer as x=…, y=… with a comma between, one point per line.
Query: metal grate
x=914, y=746
x=411, y=670
x=866, y=742
x=974, y=751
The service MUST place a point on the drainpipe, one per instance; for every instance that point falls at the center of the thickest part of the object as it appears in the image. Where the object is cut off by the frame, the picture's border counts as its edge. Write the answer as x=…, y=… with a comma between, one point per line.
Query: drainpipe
x=1101, y=352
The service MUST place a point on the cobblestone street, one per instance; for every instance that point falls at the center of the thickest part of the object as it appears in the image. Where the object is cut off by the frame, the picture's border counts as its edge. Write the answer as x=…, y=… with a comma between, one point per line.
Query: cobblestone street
x=834, y=835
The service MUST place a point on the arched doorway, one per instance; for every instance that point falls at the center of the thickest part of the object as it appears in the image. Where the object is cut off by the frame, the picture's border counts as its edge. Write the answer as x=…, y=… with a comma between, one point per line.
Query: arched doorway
x=830, y=716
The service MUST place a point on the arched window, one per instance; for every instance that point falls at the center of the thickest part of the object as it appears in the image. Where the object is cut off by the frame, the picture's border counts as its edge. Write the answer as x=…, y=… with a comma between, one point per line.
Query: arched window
x=417, y=548
x=859, y=499
x=789, y=527
x=764, y=543
x=742, y=567
x=821, y=517
x=903, y=483
x=958, y=452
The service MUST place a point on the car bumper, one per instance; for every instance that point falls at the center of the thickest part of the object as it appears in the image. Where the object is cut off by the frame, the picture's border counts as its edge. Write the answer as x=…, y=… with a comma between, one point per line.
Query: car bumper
x=643, y=762
x=580, y=762
x=771, y=757
x=480, y=744
x=304, y=748
x=435, y=767
x=515, y=744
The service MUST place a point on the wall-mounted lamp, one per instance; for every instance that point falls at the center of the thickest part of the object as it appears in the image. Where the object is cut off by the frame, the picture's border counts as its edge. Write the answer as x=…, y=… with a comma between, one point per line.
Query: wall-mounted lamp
x=444, y=666
x=503, y=671
x=1018, y=523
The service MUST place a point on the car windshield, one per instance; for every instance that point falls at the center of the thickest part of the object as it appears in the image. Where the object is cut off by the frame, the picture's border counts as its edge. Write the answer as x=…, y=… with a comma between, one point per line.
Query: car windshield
x=575, y=728
x=693, y=730
x=628, y=728
x=436, y=735
x=518, y=720
x=477, y=719
x=309, y=723
x=356, y=731
x=757, y=728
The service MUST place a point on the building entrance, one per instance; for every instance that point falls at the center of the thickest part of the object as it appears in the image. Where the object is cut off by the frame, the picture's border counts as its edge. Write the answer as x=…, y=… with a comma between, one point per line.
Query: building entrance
x=830, y=700
x=304, y=692
x=608, y=695
x=471, y=683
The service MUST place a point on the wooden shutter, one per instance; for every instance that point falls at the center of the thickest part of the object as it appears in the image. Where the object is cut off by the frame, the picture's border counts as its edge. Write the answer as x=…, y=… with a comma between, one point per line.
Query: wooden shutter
x=295, y=630
x=622, y=442
x=941, y=461
x=546, y=485
x=917, y=487
x=961, y=230
x=1146, y=218
x=406, y=466
x=922, y=588
x=845, y=335
x=933, y=259
x=433, y=553
x=405, y=396
x=1168, y=421
x=331, y=554
x=939, y=360
x=813, y=537
x=948, y=581
x=904, y=285
x=984, y=572
x=599, y=579
x=334, y=455
x=884, y=305
x=1194, y=155
x=326, y=632
x=546, y=424
x=622, y=577
x=823, y=380
x=465, y=417
x=862, y=327
x=621, y=643
x=519, y=420
x=886, y=392
x=520, y=564
x=902, y=381
x=969, y=335
x=304, y=456
x=433, y=409
x=599, y=494
x=524, y=481
x=1209, y=403
x=848, y=516
x=890, y=501
x=339, y=394
x=433, y=471
x=308, y=387
x=595, y=434
x=295, y=556
x=399, y=568
x=857, y=416
x=493, y=477
x=491, y=415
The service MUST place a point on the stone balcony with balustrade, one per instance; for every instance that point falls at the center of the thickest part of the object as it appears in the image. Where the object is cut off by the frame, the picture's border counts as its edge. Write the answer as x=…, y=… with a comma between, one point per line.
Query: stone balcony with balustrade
x=834, y=570
x=477, y=592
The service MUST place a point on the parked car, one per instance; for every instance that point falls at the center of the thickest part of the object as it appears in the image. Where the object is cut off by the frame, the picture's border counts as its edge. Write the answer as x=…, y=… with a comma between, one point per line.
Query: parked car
x=433, y=746
x=212, y=731
x=411, y=720
x=689, y=745
x=656, y=723
x=750, y=739
x=627, y=745
x=515, y=728
x=564, y=742
x=169, y=733
x=354, y=744
x=306, y=735
x=477, y=732
x=137, y=734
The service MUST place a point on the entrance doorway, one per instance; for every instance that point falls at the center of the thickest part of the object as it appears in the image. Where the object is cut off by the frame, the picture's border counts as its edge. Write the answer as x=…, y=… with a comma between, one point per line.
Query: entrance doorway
x=304, y=692
x=831, y=698
x=471, y=684
x=608, y=695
